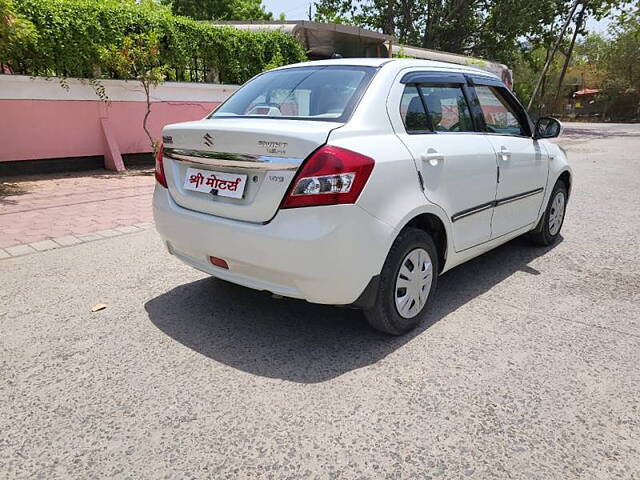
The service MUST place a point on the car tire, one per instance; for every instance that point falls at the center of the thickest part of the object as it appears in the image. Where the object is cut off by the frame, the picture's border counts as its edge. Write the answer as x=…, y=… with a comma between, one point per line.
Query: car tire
x=404, y=291
x=548, y=229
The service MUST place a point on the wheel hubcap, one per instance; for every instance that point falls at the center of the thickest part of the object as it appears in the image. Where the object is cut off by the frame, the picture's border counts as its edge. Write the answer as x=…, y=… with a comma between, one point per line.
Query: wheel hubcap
x=413, y=283
x=557, y=213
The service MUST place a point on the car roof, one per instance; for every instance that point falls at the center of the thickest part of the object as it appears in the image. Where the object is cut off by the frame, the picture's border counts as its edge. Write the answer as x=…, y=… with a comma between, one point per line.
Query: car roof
x=399, y=63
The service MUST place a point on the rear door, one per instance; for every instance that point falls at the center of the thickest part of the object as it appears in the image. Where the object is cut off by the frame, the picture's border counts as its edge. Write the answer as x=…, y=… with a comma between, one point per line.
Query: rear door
x=523, y=163
x=456, y=163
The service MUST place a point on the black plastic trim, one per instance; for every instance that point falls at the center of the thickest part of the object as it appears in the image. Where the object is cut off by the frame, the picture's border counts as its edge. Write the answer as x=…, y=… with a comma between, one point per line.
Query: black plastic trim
x=433, y=77
x=367, y=298
x=496, y=203
x=472, y=211
x=481, y=80
x=424, y=107
x=519, y=196
x=476, y=109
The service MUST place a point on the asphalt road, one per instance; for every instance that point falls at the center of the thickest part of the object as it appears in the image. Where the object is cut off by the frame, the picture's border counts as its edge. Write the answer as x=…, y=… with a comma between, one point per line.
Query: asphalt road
x=529, y=367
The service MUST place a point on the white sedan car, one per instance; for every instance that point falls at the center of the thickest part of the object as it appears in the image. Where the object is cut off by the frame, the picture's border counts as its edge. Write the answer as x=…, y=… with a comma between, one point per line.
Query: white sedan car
x=358, y=181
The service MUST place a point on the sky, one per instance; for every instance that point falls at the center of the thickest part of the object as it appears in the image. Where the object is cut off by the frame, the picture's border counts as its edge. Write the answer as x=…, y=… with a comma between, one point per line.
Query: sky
x=298, y=10
x=293, y=9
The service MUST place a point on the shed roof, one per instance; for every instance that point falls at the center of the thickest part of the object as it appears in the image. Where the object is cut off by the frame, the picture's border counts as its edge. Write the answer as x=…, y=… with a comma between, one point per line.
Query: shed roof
x=322, y=40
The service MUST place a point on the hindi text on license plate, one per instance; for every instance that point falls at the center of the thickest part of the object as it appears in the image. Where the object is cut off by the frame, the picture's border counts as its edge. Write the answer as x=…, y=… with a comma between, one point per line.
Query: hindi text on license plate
x=217, y=183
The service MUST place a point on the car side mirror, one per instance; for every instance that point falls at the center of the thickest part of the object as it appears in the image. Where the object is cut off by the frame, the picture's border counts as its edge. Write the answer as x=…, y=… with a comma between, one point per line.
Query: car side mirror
x=547, y=127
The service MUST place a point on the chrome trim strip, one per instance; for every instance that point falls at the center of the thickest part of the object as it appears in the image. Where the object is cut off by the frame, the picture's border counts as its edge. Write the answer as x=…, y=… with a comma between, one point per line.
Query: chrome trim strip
x=496, y=203
x=234, y=160
x=519, y=196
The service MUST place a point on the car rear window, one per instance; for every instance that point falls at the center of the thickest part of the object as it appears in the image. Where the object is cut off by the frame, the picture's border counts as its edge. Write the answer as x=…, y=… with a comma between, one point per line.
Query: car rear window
x=328, y=93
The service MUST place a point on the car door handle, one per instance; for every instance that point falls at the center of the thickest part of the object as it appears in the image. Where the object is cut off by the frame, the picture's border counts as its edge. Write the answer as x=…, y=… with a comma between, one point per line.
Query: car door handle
x=505, y=154
x=432, y=156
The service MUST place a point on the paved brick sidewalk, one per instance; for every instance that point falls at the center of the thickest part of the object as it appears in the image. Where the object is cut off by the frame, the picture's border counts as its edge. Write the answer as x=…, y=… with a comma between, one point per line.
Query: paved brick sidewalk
x=36, y=209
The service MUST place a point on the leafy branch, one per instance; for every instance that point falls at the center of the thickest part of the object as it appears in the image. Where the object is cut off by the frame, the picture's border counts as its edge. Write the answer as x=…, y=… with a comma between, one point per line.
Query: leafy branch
x=138, y=58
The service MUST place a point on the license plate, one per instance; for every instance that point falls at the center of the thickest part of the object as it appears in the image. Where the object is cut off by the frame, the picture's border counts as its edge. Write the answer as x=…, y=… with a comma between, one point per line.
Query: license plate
x=220, y=184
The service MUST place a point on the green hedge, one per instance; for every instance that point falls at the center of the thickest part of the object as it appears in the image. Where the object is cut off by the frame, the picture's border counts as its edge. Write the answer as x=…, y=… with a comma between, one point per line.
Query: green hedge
x=72, y=33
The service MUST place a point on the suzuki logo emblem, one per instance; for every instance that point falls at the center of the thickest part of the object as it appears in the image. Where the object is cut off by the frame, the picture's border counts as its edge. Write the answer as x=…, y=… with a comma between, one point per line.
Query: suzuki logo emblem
x=208, y=140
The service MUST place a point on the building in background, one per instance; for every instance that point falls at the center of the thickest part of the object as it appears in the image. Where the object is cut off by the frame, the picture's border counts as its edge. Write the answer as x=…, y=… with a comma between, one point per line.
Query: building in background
x=328, y=40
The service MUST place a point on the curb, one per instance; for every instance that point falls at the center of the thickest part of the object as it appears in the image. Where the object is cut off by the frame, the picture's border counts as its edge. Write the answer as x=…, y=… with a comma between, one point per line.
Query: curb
x=70, y=240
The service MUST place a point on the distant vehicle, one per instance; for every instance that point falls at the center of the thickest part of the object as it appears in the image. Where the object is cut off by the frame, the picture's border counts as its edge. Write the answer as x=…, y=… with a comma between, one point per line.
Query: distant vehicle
x=358, y=181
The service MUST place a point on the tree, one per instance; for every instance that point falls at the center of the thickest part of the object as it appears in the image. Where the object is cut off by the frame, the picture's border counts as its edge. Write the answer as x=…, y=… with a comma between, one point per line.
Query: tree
x=606, y=63
x=622, y=58
x=577, y=30
x=596, y=8
x=621, y=84
x=18, y=35
x=220, y=9
x=492, y=29
x=551, y=54
x=485, y=28
x=138, y=58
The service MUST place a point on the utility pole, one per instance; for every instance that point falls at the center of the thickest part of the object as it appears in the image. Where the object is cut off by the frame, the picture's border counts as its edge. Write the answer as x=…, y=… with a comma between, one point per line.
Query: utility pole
x=553, y=52
x=310, y=18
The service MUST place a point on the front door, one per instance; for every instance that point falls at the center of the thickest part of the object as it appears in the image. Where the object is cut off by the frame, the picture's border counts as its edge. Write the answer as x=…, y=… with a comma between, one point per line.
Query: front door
x=522, y=162
x=457, y=165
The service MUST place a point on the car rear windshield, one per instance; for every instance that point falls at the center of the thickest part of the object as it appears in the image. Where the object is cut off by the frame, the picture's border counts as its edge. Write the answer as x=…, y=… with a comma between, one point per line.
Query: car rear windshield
x=328, y=93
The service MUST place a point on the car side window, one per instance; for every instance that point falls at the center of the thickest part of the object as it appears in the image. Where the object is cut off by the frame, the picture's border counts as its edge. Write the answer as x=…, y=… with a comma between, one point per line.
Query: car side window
x=447, y=108
x=412, y=111
x=499, y=116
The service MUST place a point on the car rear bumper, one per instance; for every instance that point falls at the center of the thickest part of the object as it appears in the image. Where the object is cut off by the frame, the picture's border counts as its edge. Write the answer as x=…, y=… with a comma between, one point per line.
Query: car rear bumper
x=324, y=254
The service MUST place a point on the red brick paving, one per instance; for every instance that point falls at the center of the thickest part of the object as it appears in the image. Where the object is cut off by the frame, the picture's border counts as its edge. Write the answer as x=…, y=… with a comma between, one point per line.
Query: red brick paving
x=44, y=207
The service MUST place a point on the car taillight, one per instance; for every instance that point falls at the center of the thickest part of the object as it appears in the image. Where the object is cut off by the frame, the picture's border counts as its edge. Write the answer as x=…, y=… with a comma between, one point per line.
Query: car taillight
x=331, y=176
x=160, y=178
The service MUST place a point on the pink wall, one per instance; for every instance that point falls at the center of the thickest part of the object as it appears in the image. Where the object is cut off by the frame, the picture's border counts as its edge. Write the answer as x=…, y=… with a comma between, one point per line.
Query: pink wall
x=39, y=129
x=41, y=120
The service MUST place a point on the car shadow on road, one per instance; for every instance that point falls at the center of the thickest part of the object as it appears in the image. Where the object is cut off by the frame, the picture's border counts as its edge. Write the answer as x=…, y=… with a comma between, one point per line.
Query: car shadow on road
x=302, y=342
